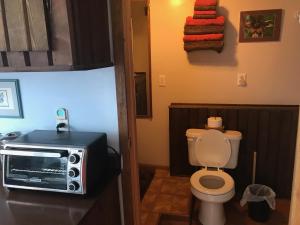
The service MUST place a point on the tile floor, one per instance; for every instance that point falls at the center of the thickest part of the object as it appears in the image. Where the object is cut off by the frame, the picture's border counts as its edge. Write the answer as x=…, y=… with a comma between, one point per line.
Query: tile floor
x=165, y=195
x=168, y=199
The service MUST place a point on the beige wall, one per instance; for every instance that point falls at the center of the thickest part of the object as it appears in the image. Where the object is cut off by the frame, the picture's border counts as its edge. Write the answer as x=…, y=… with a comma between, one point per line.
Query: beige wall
x=207, y=77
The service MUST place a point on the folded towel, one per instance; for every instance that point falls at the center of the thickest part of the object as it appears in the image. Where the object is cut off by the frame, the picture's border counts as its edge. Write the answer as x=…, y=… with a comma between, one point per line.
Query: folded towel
x=206, y=2
x=220, y=20
x=206, y=12
x=203, y=37
x=210, y=29
x=204, y=16
x=204, y=45
x=203, y=8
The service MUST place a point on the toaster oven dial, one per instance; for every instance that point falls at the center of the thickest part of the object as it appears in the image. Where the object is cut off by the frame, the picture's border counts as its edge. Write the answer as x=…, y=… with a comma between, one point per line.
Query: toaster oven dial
x=74, y=158
x=73, y=172
x=73, y=186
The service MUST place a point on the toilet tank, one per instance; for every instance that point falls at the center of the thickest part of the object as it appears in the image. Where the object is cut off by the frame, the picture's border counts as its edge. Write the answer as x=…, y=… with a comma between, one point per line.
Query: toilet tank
x=234, y=138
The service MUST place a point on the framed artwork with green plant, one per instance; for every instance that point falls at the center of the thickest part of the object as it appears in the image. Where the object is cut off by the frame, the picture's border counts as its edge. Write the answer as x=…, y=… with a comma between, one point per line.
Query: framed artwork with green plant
x=260, y=25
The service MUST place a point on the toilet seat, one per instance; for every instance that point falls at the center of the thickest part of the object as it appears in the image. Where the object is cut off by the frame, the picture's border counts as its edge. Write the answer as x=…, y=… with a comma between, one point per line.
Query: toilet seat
x=218, y=175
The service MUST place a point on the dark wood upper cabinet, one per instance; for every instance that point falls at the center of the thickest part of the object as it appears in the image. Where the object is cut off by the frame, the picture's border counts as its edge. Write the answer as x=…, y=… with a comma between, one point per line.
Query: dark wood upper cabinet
x=49, y=35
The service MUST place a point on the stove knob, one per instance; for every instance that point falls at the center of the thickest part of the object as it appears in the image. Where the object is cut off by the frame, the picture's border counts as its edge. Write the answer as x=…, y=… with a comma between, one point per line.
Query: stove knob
x=73, y=172
x=73, y=186
x=74, y=158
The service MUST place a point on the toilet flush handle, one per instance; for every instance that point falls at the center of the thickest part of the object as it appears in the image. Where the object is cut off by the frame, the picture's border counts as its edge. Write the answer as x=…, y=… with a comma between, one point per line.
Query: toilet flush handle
x=198, y=139
x=190, y=139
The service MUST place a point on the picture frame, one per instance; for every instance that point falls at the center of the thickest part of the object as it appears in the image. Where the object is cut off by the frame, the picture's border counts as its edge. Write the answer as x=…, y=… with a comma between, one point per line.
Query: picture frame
x=10, y=99
x=260, y=25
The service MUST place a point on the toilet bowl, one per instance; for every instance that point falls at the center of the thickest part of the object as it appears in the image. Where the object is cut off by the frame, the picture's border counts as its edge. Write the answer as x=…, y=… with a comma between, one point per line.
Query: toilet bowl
x=213, y=150
x=213, y=188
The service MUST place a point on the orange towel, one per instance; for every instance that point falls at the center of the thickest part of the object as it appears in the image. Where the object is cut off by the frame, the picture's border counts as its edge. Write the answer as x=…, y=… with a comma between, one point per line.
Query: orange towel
x=220, y=20
x=205, y=2
x=203, y=37
x=207, y=12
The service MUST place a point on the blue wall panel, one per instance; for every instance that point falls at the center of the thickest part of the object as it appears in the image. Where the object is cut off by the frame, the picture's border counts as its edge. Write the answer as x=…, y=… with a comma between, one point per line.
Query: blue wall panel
x=89, y=96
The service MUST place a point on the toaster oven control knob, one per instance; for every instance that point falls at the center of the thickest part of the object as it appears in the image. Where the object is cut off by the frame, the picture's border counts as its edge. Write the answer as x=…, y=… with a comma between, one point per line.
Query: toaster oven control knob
x=73, y=186
x=74, y=158
x=73, y=172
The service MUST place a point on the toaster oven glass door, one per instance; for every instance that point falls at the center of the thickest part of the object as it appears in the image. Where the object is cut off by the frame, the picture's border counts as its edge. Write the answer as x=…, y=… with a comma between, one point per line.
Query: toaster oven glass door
x=38, y=169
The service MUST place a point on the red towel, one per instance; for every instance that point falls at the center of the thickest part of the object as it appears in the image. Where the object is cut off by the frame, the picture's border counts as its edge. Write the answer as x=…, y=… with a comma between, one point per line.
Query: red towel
x=203, y=37
x=205, y=2
x=220, y=20
x=207, y=12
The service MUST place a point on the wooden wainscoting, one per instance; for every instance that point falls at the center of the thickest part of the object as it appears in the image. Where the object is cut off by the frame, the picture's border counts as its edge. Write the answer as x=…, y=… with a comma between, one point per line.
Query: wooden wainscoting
x=269, y=130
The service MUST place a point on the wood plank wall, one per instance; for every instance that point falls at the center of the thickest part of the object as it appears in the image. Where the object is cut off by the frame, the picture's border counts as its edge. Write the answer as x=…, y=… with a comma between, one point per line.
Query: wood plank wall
x=25, y=24
x=45, y=35
x=268, y=130
x=92, y=34
x=24, y=36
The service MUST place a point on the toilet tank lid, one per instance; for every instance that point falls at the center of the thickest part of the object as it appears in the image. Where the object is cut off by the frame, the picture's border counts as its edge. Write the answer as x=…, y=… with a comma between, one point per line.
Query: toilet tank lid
x=230, y=134
x=194, y=133
x=233, y=135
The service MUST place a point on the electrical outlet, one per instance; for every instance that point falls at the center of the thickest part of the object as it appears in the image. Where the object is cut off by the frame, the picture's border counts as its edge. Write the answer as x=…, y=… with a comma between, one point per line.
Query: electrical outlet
x=242, y=79
x=62, y=117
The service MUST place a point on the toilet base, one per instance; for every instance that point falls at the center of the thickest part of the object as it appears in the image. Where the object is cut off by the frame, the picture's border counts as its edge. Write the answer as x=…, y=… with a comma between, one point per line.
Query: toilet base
x=211, y=213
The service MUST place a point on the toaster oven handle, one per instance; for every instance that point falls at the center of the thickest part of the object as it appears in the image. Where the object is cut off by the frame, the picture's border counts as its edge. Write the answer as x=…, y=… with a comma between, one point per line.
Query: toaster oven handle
x=32, y=153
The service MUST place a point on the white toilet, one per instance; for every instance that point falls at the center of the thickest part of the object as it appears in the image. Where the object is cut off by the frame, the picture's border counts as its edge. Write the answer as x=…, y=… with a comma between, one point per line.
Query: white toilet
x=213, y=150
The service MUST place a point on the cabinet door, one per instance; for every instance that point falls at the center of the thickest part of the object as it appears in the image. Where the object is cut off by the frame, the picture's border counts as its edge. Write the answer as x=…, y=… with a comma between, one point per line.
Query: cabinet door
x=106, y=211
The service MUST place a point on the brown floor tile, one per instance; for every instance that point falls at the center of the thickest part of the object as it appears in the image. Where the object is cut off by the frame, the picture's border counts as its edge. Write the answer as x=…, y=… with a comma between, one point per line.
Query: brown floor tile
x=155, y=185
x=153, y=219
x=149, y=201
x=163, y=203
x=237, y=215
x=182, y=179
x=173, y=220
x=172, y=196
x=169, y=187
x=144, y=217
x=161, y=173
x=283, y=205
x=183, y=189
x=180, y=205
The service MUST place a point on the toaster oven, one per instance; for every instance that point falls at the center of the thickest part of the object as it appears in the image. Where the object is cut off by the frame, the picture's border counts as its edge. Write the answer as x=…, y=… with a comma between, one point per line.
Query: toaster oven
x=69, y=162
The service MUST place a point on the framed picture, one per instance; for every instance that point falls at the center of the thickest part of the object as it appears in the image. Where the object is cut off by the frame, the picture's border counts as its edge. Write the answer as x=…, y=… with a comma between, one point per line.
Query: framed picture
x=10, y=99
x=261, y=25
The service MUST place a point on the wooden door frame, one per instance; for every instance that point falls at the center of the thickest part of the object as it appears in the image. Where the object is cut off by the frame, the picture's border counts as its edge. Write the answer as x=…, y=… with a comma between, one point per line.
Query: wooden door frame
x=123, y=61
